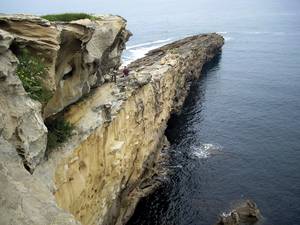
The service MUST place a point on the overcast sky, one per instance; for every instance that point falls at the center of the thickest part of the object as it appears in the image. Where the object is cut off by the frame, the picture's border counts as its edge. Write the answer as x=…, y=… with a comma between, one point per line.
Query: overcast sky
x=91, y=6
x=164, y=15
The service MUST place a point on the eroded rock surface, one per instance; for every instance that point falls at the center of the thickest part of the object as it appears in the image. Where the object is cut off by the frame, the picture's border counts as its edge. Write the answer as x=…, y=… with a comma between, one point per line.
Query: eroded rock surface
x=113, y=160
x=21, y=123
x=70, y=49
x=246, y=213
x=24, y=199
x=77, y=54
x=115, y=155
x=39, y=36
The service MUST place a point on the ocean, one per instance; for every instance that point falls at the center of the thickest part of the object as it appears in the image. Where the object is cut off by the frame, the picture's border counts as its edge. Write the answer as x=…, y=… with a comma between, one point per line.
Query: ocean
x=238, y=136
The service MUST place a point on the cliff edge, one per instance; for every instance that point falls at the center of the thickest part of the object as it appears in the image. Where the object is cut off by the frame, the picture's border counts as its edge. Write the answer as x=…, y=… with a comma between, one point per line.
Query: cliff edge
x=114, y=155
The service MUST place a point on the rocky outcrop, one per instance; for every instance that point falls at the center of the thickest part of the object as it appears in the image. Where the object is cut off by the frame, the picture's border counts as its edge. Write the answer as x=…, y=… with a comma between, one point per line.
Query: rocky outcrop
x=88, y=50
x=24, y=199
x=77, y=54
x=114, y=156
x=246, y=213
x=21, y=123
x=91, y=48
x=112, y=161
x=37, y=35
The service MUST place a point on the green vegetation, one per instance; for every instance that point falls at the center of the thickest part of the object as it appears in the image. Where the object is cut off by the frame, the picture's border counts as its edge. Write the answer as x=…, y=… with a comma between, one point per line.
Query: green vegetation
x=67, y=17
x=59, y=130
x=174, y=51
x=31, y=70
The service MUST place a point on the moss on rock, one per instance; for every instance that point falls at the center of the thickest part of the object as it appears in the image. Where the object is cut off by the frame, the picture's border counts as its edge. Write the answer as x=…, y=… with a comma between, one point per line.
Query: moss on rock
x=31, y=70
x=67, y=17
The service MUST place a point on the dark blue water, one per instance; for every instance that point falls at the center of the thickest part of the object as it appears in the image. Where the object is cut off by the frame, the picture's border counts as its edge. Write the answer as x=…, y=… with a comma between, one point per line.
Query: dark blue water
x=239, y=134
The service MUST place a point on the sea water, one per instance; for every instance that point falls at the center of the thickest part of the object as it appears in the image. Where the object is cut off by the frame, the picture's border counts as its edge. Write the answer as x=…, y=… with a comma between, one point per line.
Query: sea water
x=238, y=136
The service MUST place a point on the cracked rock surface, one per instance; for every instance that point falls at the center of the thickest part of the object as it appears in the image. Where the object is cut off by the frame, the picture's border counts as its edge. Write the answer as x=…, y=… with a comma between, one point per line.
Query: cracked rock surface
x=118, y=147
x=77, y=54
x=115, y=157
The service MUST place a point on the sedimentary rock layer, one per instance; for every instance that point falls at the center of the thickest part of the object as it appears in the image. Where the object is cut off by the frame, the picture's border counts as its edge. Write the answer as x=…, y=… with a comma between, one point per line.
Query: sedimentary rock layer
x=113, y=157
x=76, y=55
x=21, y=122
x=111, y=162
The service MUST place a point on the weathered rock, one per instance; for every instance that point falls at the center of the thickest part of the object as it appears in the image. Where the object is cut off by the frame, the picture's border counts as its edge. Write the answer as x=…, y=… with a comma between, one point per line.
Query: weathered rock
x=39, y=36
x=246, y=213
x=20, y=117
x=113, y=161
x=5, y=41
x=114, y=156
x=77, y=54
x=24, y=200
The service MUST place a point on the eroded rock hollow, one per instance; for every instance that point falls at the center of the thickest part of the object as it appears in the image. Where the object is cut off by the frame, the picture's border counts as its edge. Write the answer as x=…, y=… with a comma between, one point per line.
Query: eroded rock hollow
x=113, y=157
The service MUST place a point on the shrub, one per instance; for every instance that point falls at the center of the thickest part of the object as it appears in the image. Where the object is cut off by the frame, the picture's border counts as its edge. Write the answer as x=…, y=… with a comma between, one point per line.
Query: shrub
x=67, y=17
x=31, y=70
x=59, y=130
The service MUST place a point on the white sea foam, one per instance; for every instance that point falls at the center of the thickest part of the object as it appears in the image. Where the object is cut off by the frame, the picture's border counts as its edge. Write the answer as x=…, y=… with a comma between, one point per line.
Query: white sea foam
x=263, y=32
x=137, y=51
x=276, y=33
x=148, y=43
x=227, y=38
x=222, y=32
x=226, y=214
x=205, y=150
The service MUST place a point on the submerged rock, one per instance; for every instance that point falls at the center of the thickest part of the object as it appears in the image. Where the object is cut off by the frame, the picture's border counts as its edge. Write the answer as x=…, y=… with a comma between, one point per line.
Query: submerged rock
x=245, y=214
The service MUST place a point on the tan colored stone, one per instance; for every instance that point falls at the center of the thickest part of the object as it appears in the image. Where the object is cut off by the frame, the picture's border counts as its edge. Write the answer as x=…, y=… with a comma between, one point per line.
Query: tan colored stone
x=76, y=54
x=117, y=159
x=88, y=50
x=20, y=117
x=113, y=158
x=39, y=36
x=24, y=200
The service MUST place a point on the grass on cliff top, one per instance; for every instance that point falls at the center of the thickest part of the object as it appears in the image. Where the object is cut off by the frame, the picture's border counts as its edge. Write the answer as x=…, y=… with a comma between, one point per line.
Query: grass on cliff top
x=31, y=70
x=67, y=17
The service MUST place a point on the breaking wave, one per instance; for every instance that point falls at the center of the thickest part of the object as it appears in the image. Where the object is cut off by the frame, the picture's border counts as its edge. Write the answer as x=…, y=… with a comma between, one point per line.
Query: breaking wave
x=205, y=150
x=137, y=51
x=148, y=43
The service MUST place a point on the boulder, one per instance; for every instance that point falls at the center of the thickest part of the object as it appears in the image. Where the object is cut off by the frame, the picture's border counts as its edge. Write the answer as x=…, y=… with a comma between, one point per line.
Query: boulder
x=246, y=213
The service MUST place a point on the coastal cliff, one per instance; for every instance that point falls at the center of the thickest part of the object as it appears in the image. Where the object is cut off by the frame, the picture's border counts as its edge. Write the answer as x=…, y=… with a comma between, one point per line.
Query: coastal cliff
x=115, y=153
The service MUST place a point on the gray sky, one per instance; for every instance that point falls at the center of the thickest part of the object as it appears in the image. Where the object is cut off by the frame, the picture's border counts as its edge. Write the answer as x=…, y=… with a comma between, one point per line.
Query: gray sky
x=91, y=6
x=164, y=18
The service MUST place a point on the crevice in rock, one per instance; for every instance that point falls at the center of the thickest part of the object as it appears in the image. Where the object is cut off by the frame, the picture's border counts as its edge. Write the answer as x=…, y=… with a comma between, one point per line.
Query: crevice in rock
x=25, y=163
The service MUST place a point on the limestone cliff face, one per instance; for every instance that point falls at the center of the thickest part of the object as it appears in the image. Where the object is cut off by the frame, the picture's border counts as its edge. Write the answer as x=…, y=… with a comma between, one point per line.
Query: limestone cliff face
x=115, y=153
x=77, y=54
x=21, y=123
x=84, y=51
x=100, y=175
x=24, y=199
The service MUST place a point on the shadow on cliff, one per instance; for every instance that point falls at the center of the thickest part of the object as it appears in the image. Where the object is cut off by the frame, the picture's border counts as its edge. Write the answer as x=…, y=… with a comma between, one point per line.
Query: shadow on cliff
x=152, y=210
x=194, y=100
